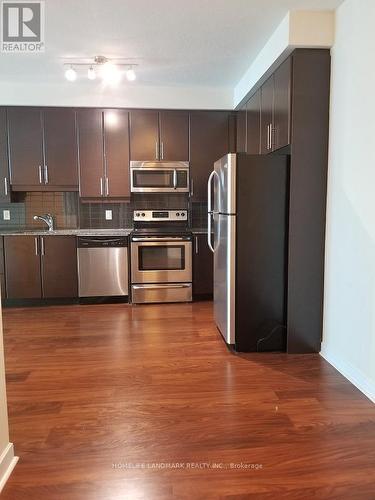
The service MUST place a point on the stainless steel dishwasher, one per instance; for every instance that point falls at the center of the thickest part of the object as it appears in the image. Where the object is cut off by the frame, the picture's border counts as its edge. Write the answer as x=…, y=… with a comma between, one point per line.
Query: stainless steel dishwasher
x=102, y=266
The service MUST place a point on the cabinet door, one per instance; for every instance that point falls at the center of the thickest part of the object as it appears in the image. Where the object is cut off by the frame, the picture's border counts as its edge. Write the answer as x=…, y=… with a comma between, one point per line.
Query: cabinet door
x=116, y=149
x=4, y=169
x=202, y=266
x=60, y=143
x=25, y=140
x=241, y=130
x=282, y=99
x=266, y=115
x=253, y=124
x=174, y=136
x=22, y=267
x=209, y=141
x=144, y=136
x=90, y=149
x=59, y=266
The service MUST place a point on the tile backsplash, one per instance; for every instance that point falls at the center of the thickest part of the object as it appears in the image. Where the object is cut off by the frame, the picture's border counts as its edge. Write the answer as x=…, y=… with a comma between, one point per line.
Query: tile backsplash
x=69, y=212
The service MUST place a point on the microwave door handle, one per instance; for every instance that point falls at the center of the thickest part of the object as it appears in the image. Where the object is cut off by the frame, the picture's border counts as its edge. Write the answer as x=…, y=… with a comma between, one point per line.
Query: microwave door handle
x=174, y=179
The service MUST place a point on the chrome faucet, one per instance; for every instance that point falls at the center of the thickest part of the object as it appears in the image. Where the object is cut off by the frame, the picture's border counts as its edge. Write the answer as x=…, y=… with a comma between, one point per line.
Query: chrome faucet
x=48, y=219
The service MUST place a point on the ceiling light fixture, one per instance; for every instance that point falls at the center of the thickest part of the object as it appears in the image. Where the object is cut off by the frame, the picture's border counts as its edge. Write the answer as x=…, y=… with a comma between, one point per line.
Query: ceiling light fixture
x=71, y=74
x=130, y=75
x=91, y=74
x=108, y=69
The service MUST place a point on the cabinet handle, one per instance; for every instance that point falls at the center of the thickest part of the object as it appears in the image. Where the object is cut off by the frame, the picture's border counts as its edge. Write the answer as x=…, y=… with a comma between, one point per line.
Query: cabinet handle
x=40, y=175
x=196, y=245
x=162, y=150
x=192, y=187
x=156, y=150
x=101, y=186
x=46, y=179
x=106, y=186
x=270, y=136
x=42, y=245
x=5, y=186
x=36, y=245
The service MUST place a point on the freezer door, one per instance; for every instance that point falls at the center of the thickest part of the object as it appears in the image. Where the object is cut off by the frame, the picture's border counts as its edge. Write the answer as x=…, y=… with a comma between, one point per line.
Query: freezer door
x=224, y=185
x=224, y=275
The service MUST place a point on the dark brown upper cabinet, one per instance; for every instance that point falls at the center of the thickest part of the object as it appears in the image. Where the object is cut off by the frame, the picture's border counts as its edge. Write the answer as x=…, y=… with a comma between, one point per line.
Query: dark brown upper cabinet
x=60, y=143
x=40, y=267
x=276, y=109
x=174, y=136
x=209, y=141
x=282, y=105
x=42, y=149
x=144, y=135
x=103, y=142
x=253, y=124
x=266, y=115
x=4, y=166
x=241, y=125
x=158, y=136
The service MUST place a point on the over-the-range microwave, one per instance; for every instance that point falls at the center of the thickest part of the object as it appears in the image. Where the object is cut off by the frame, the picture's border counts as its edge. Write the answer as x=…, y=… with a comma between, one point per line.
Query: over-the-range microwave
x=159, y=177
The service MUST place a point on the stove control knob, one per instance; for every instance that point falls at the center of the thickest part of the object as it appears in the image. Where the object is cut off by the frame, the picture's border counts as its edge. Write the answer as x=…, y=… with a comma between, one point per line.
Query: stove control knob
x=143, y=214
x=182, y=214
x=137, y=214
x=178, y=214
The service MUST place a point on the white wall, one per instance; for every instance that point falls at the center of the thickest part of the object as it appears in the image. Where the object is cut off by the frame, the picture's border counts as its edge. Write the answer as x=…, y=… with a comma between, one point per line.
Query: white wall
x=349, y=321
x=7, y=459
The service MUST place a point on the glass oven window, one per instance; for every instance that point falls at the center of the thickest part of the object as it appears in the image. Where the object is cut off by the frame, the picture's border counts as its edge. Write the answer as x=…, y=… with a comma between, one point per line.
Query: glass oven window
x=161, y=258
x=156, y=178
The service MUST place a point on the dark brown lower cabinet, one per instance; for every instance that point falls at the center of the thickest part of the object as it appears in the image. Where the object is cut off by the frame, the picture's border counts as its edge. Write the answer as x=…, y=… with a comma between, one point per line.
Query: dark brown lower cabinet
x=40, y=267
x=203, y=267
x=22, y=267
x=59, y=266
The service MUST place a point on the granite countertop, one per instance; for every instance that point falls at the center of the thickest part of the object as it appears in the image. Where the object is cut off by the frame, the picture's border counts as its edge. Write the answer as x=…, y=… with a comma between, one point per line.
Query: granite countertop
x=66, y=232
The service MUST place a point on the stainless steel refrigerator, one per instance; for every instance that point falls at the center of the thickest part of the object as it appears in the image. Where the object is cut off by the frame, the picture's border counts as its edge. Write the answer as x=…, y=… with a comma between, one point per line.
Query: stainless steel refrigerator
x=248, y=234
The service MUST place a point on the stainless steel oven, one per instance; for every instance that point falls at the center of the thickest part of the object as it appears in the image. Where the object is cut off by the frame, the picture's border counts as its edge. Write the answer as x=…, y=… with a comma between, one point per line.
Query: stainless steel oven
x=161, y=268
x=159, y=177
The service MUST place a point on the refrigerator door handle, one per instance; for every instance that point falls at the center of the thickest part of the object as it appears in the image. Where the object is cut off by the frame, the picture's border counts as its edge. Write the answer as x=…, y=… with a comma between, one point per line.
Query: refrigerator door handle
x=209, y=190
x=209, y=231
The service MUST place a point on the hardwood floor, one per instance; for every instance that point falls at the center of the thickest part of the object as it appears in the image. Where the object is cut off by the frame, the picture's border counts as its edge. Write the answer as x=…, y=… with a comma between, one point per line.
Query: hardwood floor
x=94, y=389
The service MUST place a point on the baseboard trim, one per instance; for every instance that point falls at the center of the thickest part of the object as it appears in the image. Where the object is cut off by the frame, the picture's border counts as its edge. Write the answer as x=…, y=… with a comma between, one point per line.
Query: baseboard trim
x=355, y=376
x=7, y=463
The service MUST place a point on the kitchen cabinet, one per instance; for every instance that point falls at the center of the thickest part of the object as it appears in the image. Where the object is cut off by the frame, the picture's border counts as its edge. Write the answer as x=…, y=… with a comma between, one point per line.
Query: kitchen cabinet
x=276, y=109
x=209, y=141
x=174, y=136
x=202, y=267
x=253, y=124
x=158, y=136
x=59, y=266
x=144, y=135
x=2, y=268
x=60, y=144
x=22, y=267
x=103, y=142
x=282, y=105
x=241, y=132
x=4, y=166
x=42, y=149
x=266, y=116
x=40, y=267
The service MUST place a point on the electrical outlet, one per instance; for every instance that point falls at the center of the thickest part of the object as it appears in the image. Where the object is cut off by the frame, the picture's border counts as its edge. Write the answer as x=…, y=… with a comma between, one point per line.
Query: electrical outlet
x=6, y=214
x=108, y=215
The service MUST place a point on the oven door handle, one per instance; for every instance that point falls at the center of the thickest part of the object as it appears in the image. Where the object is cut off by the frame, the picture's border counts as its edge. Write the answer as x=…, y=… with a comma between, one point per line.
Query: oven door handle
x=160, y=287
x=168, y=238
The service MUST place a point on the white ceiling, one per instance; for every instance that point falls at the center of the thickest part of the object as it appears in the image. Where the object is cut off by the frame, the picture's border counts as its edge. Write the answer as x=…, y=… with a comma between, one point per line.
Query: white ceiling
x=176, y=42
